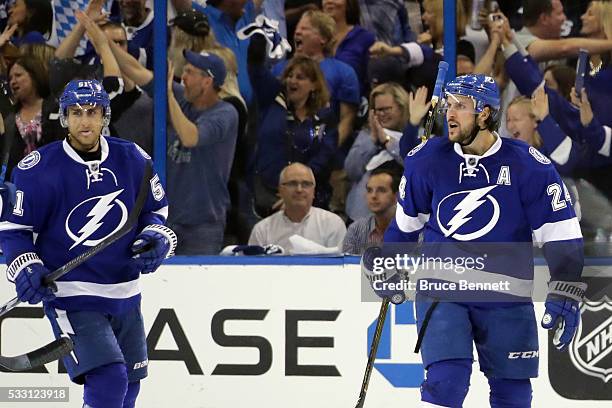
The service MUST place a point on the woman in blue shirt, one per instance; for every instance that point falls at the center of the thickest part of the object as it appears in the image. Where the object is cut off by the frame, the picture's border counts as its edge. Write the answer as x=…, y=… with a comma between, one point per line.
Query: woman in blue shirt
x=351, y=41
x=295, y=124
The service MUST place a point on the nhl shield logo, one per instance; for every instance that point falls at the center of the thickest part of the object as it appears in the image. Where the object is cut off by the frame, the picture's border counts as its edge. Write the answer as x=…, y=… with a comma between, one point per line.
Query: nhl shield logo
x=591, y=349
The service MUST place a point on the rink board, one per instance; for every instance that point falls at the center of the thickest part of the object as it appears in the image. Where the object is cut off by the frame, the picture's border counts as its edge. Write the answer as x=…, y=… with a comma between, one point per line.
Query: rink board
x=293, y=333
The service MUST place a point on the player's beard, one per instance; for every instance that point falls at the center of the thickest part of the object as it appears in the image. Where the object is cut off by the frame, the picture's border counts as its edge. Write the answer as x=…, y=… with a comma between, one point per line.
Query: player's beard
x=467, y=135
x=464, y=133
x=83, y=146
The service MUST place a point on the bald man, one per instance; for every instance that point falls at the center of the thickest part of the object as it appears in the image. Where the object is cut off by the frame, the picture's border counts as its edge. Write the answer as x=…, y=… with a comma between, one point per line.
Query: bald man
x=296, y=188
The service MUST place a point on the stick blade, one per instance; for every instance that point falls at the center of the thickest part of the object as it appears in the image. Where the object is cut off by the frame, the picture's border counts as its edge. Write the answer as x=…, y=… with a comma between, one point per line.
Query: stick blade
x=51, y=352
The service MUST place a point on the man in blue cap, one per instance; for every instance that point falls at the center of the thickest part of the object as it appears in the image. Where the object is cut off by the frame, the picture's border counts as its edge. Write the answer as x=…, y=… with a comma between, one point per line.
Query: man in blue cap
x=202, y=136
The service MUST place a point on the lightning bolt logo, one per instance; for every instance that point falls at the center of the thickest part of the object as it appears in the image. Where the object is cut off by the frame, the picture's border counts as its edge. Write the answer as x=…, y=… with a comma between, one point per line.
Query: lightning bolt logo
x=473, y=199
x=97, y=213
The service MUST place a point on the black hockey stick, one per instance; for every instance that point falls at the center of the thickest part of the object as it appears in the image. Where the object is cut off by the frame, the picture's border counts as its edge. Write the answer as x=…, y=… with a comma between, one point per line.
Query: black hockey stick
x=435, y=98
x=60, y=347
x=51, y=352
x=382, y=316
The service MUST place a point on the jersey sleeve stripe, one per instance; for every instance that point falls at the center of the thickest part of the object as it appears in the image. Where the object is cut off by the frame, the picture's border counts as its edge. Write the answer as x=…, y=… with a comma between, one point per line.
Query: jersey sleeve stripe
x=9, y=226
x=562, y=153
x=407, y=223
x=416, y=54
x=163, y=212
x=558, y=231
x=605, y=147
x=121, y=290
x=119, y=90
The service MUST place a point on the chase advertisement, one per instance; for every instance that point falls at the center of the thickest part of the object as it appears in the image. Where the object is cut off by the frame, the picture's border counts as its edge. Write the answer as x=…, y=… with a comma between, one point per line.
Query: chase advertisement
x=298, y=334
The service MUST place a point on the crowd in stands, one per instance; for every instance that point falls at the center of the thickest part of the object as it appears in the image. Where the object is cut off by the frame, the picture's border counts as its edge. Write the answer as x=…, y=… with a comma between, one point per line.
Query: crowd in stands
x=305, y=149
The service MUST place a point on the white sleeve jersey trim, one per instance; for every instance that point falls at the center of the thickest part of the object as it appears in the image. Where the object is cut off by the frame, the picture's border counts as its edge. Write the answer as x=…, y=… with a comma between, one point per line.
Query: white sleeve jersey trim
x=557, y=231
x=162, y=212
x=415, y=52
x=142, y=56
x=605, y=147
x=562, y=153
x=407, y=223
x=8, y=226
x=425, y=404
x=119, y=91
x=122, y=290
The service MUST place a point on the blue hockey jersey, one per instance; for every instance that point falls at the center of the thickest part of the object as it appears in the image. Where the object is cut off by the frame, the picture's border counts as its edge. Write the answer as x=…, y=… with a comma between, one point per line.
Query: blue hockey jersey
x=527, y=77
x=498, y=203
x=66, y=205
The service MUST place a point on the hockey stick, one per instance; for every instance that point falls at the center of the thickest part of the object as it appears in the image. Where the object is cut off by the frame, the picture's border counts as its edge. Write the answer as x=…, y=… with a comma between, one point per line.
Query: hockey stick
x=62, y=346
x=46, y=354
x=382, y=316
x=435, y=98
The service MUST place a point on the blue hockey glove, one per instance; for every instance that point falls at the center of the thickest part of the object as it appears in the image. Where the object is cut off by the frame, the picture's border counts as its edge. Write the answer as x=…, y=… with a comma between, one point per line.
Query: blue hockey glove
x=29, y=284
x=562, y=309
x=154, y=244
x=386, y=283
x=7, y=200
x=277, y=45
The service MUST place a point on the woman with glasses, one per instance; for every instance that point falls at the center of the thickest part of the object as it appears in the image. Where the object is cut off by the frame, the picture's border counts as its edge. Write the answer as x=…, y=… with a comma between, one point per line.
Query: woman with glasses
x=295, y=125
x=377, y=143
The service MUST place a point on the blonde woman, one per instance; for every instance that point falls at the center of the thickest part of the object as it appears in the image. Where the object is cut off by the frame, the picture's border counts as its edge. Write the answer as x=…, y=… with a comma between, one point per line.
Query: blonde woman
x=597, y=22
x=528, y=119
x=376, y=144
x=314, y=38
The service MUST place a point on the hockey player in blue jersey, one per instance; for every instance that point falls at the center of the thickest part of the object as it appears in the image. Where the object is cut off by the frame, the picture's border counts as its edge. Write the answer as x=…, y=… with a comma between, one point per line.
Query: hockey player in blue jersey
x=473, y=189
x=7, y=199
x=73, y=194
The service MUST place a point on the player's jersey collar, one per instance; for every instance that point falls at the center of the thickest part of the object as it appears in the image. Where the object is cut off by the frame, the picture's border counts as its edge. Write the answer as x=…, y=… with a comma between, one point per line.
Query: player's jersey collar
x=492, y=150
x=75, y=156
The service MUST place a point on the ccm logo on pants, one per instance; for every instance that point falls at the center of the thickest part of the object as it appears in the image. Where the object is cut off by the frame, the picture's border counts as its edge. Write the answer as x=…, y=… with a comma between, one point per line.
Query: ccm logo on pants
x=523, y=354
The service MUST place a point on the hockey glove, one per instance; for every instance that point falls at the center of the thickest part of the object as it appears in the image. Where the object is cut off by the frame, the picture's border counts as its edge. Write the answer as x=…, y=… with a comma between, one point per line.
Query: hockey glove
x=29, y=284
x=7, y=200
x=154, y=244
x=277, y=45
x=562, y=307
x=387, y=283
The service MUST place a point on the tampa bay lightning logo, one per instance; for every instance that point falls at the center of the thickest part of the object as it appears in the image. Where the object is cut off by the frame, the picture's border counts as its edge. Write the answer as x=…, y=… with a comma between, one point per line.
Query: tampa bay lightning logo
x=29, y=161
x=538, y=156
x=468, y=215
x=96, y=218
x=417, y=148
